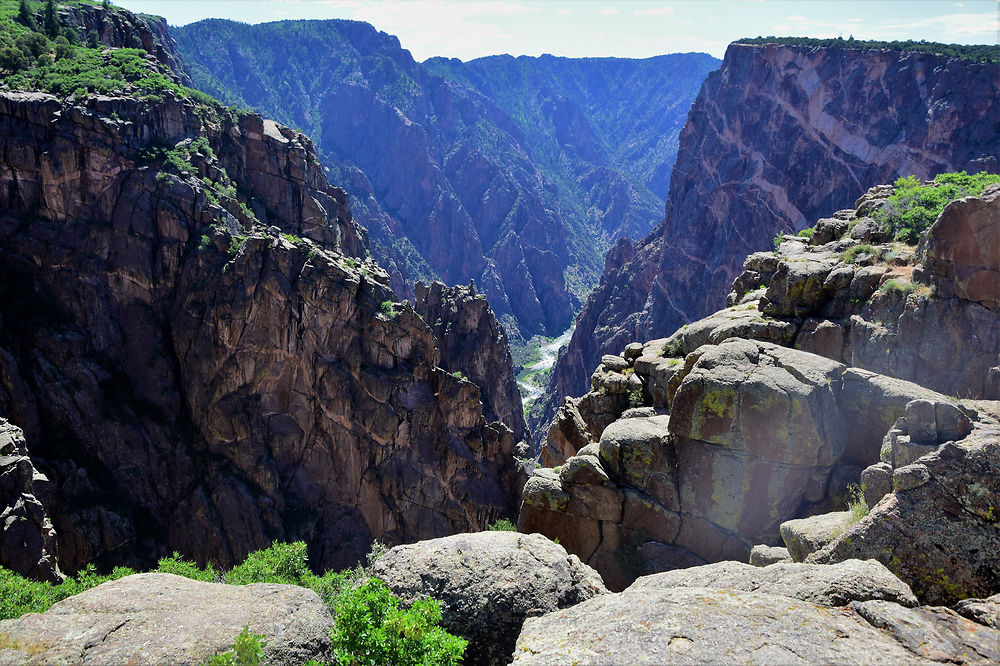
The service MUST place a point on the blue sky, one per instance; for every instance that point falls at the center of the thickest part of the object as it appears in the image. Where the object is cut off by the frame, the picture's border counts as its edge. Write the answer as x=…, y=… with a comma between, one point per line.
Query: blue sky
x=469, y=29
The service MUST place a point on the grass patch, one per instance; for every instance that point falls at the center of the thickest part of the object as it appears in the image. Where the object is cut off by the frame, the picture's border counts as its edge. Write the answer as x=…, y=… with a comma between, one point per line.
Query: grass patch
x=502, y=525
x=913, y=207
x=859, y=253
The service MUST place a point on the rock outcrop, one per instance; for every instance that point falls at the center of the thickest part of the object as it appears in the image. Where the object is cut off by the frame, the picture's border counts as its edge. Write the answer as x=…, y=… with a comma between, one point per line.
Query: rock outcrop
x=734, y=188
x=473, y=345
x=166, y=619
x=488, y=583
x=27, y=538
x=831, y=586
x=201, y=358
x=939, y=529
x=719, y=626
x=692, y=448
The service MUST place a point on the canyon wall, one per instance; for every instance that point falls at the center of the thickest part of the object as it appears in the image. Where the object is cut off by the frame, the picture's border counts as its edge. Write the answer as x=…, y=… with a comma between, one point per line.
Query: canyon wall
x=200, y=356
x=777, y=136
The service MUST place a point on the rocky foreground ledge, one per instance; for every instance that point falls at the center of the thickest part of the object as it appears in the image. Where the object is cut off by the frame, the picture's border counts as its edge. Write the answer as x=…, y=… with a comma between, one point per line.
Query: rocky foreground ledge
x=522, y=597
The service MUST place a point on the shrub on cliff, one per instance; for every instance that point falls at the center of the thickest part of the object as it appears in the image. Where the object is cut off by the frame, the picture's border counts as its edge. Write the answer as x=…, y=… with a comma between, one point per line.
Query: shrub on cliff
x=914, y=206
x=19, y=595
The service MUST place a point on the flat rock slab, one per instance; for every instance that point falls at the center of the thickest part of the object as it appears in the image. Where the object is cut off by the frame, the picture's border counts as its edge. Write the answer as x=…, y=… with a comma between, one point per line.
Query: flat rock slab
x=488, y=583
x=159, y=618
x=704, y=626
x=822, y=584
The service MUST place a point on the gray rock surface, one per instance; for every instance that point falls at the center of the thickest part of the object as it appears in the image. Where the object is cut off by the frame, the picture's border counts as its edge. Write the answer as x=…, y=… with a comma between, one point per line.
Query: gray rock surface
x=165, y=619
x=984, y=611
x=761, y=555
x=821, y=584
x=488, y=583
x=934, y=633
x=703, y=626
x=804, y=536
x=938, y=530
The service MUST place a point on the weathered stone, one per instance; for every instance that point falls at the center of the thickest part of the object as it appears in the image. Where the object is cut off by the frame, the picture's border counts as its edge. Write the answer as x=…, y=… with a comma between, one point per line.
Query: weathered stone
x=639, y=452
x=984, y=611
x=822, y=584
x=697, y=625
x=567, y=435
x=960, y=252
x=909, y=477
x=761, y=555
x=876, y=482
x=940, y=533
x=633, y=350
x=583, y=470
x=828, y=229
x=937, y=634
x=161, y=618
x=614, y=363
x=805, y=536
x=27, y=538
x=796, y=289
x=868, y=231
x=488, y=583
x=822, y=337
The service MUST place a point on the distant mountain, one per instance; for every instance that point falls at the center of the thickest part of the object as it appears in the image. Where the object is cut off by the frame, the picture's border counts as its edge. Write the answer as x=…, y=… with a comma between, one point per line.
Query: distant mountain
x=516, y=172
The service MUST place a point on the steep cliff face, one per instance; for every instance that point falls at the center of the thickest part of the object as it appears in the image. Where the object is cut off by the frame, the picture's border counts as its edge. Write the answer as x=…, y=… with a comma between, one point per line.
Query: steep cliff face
x=473, y=346
x=778, y=136
x=517, y=173
x=199, y=355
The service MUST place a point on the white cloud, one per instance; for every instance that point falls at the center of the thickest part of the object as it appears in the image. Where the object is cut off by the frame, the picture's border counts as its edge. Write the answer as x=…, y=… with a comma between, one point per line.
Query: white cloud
x=608, y=11
x=656, y=11
x=564, y=12
x=950, y=24
x=797, y=18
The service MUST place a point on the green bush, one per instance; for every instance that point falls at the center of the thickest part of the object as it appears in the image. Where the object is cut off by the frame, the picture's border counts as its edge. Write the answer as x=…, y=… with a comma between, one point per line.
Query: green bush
x=913, y=207
x=180, y=567
x=285, y=563
x=20, y=595
x=902, y=287
x=806, y=233
x=371, y=628
x=502, y=525
x=248, y=650
x=856, y=253
x=388, y=308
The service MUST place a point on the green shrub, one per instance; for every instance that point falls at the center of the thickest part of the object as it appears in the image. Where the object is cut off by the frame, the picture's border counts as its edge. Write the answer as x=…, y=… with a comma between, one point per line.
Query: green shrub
x=635, y=398
x=674, y=348
x=913, y=207
x=806, y=233
x=458, y=374
x=19, y=595
x=388, y=308
x=858, y=252
x=371, y=628
x=181, y=567
x=502, y=525
x=248, y=650
x=857, y=505
x=285, y=563
x=902, y=287
x=778, y=239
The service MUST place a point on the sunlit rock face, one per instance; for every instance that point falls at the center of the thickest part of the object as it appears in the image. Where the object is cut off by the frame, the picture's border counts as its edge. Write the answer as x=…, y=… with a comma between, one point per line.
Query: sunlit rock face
x=778, y=137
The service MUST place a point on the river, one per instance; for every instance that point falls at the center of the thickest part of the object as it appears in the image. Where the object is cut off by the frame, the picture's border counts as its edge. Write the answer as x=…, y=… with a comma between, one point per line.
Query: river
x=530, y=391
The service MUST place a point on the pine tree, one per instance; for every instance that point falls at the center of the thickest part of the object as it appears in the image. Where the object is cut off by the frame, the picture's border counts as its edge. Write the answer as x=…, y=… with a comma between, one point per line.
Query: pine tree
x=51, y=21
x=24, y=16
x=106, y=6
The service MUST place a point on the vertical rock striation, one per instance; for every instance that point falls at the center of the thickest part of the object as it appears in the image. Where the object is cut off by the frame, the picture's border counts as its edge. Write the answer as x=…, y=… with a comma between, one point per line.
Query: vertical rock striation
x=779, y=136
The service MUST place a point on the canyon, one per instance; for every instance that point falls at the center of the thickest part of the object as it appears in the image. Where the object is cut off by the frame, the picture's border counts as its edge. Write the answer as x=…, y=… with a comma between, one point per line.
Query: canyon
x=778, y=136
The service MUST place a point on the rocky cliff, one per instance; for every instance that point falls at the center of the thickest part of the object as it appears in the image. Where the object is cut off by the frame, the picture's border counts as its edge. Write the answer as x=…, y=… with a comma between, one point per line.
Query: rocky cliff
x=841, y=357
x=200, y=356
x=779, y=136
x=473, y=346
x=512, y=172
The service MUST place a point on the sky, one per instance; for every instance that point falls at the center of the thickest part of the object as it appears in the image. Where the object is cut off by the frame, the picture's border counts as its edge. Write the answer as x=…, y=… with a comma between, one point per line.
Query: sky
x=468, y=29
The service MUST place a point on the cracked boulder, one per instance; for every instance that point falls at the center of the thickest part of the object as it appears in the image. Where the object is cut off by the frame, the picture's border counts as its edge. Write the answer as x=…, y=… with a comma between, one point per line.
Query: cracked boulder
x=160, y=618
x=488, y=583
x=940, y=529
x=696, y=625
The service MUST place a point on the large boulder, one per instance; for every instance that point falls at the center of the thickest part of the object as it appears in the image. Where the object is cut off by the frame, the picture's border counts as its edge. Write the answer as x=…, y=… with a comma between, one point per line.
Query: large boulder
x=701, y=626
x=960, y=252
x=756, y=428
x=821, y=584
x=488, y=583
x=165, y=619
x=804, y=536
x=939, y=530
